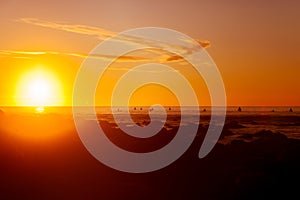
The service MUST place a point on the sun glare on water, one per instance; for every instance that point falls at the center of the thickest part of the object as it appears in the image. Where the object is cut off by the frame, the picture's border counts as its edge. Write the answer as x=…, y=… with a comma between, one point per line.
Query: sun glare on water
x=39, y=88
x=39, y=109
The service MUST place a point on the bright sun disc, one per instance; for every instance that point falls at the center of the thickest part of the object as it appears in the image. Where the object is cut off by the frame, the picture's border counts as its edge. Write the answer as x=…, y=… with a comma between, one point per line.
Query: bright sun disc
x=39, y=88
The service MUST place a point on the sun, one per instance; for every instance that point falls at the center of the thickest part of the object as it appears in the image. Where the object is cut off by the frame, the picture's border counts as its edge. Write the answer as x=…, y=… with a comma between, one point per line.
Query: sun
x=39, y=88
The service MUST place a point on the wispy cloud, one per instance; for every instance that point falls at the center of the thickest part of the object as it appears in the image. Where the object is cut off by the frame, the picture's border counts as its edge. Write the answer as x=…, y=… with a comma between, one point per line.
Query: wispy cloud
x=156, y=51
x=13, y=52
x=82, y=29
x=88, y=30
x=28, y=54
x=124, y=58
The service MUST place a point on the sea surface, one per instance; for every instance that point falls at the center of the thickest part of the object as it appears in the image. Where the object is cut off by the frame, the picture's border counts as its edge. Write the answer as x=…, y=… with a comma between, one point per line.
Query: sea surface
x=250, y=120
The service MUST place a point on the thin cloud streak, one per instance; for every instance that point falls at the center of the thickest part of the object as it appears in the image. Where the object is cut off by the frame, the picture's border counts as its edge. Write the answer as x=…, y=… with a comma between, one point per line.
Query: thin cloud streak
x=157, y=51
x=29, y=54
x=103, y=34
x=83, y=29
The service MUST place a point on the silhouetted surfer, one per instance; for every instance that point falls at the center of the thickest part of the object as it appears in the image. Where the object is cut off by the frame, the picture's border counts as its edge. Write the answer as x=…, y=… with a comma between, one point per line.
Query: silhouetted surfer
x=141, y=108
x=204, y=110
x=169, y=108
x=291, y=109
x=134, y=108
x=240, y=109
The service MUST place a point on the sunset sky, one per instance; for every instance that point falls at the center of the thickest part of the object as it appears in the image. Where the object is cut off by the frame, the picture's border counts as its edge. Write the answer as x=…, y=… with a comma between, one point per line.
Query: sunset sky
x=255, y=44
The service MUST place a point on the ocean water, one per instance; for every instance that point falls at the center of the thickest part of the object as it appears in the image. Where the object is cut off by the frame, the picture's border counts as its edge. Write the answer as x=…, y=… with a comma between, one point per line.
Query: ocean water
x=231, y=110
x=252, y=119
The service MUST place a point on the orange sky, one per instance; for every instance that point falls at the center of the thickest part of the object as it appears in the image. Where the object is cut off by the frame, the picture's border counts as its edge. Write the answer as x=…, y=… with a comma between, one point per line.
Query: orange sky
x=255, y=44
